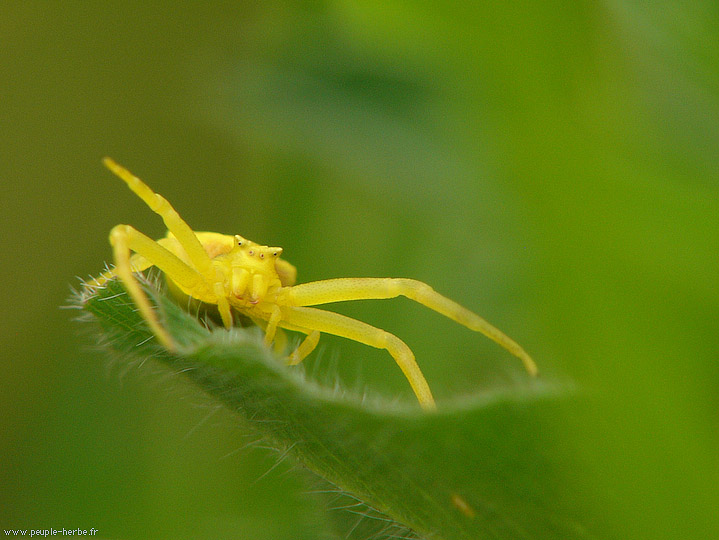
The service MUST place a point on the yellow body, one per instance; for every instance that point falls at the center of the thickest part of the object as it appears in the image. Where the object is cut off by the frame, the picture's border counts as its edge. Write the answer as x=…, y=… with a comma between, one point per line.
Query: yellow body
x=240, y=276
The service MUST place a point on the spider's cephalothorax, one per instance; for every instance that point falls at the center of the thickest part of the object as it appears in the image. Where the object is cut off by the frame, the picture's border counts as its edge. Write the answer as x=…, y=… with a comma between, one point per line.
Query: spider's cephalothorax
x=249, y=272
x=240, y=276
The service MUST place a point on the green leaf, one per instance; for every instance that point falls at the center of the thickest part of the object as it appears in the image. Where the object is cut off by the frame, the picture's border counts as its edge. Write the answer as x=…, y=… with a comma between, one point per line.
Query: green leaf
x=490, y=466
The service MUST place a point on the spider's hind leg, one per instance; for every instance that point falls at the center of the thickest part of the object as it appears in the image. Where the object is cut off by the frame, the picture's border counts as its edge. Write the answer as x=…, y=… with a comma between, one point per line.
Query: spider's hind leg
x=340, y=325
x=305, y=348
x=342, y=289
x=273, y=331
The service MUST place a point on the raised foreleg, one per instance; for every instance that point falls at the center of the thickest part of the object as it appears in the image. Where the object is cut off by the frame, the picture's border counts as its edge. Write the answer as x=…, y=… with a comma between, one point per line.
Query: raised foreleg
x=174, y=223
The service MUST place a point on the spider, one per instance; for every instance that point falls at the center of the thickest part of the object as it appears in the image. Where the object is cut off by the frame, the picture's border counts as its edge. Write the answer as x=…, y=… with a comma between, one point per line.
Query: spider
x=241, y=277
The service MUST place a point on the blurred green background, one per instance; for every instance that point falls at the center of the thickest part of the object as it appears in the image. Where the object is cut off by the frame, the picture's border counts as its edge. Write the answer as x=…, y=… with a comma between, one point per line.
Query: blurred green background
x=552, y=165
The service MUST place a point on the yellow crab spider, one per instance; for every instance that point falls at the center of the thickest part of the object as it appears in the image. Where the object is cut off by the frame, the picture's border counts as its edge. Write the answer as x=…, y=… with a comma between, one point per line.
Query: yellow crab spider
x=240, y=276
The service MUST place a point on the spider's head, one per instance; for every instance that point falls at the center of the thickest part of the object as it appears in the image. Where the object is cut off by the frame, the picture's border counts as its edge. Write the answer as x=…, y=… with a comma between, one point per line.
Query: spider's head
x=252, y=249
x=253, y=270
x=254, y=257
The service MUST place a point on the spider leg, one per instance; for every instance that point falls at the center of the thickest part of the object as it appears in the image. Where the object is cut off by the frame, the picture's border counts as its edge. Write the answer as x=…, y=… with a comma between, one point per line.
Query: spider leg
x=271, y=327
x=339, y=325
x=338, y=290
x=275, y=325
x=223, y=305
x=125, y=239
x=280, y=343
x=305, y=348
x=174, y=223
x=138, y=263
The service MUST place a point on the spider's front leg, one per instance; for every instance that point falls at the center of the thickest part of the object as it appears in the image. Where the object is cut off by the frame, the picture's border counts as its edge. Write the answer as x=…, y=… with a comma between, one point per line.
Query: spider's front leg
x=174, y=223
x=125, y=239
x=203, y=276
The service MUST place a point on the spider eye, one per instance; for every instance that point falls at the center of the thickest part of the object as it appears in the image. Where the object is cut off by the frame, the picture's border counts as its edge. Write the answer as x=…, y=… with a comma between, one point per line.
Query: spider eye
x=262, y=255
x=275, y=253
